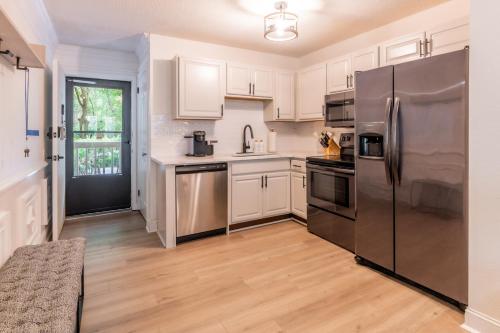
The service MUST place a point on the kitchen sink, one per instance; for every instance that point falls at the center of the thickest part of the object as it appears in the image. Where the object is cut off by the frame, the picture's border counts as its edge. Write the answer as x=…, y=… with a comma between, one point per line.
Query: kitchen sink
x=251, y=154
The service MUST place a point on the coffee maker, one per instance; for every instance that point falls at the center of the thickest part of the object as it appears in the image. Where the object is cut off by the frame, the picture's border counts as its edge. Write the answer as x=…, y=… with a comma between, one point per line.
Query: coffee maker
x=200, y=146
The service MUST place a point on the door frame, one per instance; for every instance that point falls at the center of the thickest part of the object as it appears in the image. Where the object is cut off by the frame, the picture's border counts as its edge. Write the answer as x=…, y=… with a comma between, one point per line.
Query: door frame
x=133, y=121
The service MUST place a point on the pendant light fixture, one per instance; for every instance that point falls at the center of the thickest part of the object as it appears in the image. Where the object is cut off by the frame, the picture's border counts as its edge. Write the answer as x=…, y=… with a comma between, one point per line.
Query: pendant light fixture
x=280, y=26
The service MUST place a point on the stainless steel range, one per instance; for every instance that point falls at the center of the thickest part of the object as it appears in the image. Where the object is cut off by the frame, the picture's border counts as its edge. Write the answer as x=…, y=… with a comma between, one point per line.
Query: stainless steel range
x=331, y=208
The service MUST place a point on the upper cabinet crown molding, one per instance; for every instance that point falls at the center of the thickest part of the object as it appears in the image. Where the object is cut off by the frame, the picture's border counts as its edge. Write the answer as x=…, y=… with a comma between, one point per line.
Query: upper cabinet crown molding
x=200, y=87
x=249, y=80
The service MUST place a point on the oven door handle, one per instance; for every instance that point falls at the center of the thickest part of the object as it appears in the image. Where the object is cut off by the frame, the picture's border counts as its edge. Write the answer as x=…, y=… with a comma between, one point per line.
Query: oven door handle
x=330, y=169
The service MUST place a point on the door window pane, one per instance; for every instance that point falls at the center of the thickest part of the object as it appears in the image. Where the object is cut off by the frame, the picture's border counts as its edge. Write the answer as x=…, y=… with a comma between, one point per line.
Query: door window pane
x=97, y=109
x=97, y=131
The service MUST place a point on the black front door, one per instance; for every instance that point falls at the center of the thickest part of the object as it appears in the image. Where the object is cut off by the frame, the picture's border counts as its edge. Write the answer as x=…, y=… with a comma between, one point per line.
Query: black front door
x=98, y=145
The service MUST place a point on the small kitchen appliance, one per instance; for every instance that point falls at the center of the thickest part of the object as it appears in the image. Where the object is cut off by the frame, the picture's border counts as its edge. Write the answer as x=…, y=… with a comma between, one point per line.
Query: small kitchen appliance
x=200, y=147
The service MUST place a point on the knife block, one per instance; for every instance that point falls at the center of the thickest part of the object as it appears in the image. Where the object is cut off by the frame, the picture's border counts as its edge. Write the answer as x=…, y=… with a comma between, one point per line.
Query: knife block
x=333, y=148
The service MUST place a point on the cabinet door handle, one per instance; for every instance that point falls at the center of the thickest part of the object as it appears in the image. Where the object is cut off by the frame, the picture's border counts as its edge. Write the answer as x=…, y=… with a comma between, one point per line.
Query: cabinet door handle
x=303, y=181
x=266, y=180
x=249, y=88
x=222, y=110
x=253, y=87
x=278, y=113
x=347, y=81
x=323, y=110
x=352, y=81
x=262, y=182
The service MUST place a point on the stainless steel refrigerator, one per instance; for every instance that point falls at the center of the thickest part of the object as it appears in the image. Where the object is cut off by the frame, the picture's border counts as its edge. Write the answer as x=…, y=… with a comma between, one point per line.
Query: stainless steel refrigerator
x=411, y=166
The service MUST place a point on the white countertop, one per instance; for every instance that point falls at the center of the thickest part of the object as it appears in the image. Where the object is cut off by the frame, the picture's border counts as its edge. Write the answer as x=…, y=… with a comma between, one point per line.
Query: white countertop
x=183, y=160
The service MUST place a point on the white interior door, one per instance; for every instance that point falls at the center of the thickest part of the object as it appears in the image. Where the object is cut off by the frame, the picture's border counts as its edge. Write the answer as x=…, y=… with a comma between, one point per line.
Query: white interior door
x=58, y=148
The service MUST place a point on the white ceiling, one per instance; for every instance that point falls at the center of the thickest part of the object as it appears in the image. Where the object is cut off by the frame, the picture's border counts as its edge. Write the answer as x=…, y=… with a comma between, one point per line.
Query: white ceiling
x=117, y=23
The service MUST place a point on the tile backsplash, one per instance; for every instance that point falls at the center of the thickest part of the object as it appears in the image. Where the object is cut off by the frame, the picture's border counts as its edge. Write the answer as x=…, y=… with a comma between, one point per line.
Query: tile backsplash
x=168, y=133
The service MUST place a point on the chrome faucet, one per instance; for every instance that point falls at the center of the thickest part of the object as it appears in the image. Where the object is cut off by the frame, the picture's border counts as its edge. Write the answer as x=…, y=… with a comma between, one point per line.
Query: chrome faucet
x=246, y=145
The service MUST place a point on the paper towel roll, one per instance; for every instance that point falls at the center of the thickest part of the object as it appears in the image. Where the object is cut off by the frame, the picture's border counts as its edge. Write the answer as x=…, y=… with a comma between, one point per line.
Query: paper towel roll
x=271, y=141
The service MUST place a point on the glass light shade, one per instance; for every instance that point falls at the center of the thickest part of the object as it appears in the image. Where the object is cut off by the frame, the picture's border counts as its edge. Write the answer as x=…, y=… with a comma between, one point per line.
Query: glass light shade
x=280, y=26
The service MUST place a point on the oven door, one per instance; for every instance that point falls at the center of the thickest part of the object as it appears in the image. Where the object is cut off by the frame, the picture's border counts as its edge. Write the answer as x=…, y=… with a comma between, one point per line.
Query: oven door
x=331, y=189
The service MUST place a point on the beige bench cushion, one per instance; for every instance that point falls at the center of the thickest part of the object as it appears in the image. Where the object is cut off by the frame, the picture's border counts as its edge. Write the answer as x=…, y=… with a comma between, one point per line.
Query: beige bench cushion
x=39, y=287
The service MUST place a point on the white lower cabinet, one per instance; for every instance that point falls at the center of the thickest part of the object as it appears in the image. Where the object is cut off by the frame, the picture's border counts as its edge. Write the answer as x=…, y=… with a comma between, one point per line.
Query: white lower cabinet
x=299, y=194
x=259, y=195
x=246, y=198
x=276, y=194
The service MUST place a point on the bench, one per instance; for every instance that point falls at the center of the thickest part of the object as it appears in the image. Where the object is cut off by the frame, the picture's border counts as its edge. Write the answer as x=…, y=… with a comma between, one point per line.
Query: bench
x=42, y=288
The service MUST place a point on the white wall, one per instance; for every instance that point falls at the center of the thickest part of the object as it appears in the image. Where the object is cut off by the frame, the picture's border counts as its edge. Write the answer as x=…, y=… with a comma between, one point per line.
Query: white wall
x=443, y=13
x=483, y=313
x=19, y=174
x=167, y=133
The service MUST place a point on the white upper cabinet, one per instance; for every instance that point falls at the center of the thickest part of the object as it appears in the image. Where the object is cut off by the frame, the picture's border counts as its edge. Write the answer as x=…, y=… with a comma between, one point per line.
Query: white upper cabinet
x=446, y=38
x=364, y=60
x=200, y=88
x=283, y=106
x=239, y=80
x=311, y=90
x=339, y=74
x=341, y=70
x=245, y=80
x=262, y=85
x=403, y=49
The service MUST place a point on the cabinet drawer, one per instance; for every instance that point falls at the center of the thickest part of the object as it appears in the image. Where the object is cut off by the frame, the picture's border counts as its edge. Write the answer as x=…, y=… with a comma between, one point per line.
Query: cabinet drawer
x=260, y=166
x=298, y=166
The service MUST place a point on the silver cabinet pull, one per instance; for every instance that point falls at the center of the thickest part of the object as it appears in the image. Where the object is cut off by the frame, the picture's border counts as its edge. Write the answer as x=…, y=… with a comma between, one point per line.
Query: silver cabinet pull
x=262, y=182
x=323, y=110
x=222, y=110
x=351, y=80
x=278, y=113
x=249, y=88
x=253, y=87
x=266, y=180
x=303, y=181
x=347, y=80
x=421, y=45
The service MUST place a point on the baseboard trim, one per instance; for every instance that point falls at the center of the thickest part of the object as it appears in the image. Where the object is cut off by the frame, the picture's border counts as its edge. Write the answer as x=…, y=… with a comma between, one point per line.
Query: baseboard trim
x=266, y=221
x=151, y=226
x=477, y=322
x=254, y=223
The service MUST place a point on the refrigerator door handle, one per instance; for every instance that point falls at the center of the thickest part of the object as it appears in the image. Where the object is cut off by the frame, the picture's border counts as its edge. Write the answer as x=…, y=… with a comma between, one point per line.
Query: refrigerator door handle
x=395, y=141
x=387, y=137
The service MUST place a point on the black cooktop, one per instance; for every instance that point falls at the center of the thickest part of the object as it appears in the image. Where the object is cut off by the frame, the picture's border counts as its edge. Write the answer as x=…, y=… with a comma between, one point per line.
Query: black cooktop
x=340, y=161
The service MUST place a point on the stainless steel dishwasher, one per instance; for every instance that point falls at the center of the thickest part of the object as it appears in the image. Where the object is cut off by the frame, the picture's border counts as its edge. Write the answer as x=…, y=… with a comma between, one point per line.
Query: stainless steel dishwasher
x=201, y=196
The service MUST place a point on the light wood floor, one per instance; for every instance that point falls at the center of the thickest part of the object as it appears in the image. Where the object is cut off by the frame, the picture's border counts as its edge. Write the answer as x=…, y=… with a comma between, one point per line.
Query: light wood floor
x=278, y=278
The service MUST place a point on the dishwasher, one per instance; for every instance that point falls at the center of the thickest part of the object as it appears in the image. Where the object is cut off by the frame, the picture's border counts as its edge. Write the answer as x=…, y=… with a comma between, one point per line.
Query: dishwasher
x=201, y=199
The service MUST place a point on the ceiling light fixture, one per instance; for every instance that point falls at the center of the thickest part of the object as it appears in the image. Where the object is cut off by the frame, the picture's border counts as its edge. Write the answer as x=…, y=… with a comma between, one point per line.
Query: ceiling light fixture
x=280, y=26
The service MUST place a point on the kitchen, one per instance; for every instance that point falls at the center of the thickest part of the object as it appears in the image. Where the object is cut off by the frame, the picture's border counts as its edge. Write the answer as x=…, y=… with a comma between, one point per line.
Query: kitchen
x=204, y=192
x=273, y=177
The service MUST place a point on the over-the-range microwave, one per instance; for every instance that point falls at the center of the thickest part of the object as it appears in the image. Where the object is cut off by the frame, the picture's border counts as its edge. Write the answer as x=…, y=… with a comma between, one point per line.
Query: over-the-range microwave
x=339, y=109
